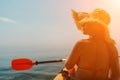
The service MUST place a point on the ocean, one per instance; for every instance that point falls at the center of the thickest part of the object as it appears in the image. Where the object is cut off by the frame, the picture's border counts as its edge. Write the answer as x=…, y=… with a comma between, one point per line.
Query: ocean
x=37, y=72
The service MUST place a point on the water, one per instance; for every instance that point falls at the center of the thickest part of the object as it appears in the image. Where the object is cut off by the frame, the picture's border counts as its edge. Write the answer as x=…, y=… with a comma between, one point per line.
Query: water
x=37, y=72
x=40, y=72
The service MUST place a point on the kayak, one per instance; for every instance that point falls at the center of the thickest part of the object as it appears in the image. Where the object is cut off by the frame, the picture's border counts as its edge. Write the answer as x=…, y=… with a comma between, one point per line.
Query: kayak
x=59, y=77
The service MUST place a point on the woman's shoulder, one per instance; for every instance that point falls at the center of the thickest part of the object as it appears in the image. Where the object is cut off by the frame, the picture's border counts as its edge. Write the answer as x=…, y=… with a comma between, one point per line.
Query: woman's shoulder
x=83, y=42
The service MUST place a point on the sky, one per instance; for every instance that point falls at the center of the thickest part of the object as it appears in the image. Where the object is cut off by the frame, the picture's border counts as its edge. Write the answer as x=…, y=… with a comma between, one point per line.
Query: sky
x=48, y=23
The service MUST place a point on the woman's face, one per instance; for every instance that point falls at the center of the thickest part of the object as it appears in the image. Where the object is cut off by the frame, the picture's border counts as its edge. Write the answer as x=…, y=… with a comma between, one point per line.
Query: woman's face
x=93, y=29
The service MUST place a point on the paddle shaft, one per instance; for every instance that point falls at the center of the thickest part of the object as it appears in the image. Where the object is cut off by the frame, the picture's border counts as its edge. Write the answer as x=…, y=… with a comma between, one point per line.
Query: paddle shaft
x=52, y=61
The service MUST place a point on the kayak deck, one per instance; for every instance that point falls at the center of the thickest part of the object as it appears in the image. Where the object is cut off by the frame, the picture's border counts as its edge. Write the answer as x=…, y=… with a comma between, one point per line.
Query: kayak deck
x=59, y=77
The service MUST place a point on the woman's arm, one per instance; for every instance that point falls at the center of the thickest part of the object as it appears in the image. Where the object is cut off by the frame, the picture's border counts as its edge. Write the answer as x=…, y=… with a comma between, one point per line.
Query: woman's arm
x=73, y=57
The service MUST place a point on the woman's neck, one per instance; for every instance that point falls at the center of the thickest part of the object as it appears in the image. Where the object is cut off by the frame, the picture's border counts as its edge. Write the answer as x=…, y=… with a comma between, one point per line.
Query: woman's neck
x=96, y=38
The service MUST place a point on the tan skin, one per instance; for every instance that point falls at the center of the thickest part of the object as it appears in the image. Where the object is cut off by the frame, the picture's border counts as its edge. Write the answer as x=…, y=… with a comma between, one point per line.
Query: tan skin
x=90, y=55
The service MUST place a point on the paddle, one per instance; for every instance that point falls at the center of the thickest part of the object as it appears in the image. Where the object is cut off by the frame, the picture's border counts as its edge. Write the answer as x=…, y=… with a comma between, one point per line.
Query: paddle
x=25, y=63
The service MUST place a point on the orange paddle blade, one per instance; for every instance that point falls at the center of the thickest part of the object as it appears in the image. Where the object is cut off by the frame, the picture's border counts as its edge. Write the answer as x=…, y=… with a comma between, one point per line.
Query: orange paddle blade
x=22, y=64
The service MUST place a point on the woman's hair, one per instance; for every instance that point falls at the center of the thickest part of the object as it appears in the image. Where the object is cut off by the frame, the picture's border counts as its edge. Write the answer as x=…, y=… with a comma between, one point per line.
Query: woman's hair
x=103, y=16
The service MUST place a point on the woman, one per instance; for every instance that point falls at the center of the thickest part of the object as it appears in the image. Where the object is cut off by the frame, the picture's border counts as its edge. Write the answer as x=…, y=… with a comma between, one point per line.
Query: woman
x=96, y=58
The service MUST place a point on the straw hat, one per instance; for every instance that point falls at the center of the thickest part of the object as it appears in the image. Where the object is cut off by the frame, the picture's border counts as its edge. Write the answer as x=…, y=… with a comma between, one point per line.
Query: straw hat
x=101, y=14
x=98, y=14
x=78, y=16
